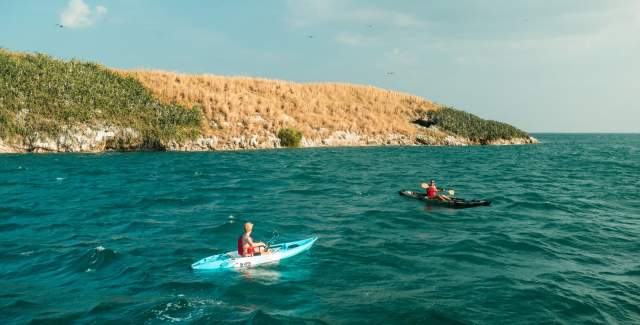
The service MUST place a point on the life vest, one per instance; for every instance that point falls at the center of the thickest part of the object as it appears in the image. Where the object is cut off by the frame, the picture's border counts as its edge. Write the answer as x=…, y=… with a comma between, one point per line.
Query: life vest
x=431, y=192
x=250, y=250
x=240, y=246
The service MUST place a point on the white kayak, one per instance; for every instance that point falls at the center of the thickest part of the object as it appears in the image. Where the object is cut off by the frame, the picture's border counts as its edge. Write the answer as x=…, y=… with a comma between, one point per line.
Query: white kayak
x=232, y=260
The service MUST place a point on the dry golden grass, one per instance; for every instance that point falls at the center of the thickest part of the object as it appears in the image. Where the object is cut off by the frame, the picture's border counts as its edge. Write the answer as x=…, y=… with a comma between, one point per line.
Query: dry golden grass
x=237, y=106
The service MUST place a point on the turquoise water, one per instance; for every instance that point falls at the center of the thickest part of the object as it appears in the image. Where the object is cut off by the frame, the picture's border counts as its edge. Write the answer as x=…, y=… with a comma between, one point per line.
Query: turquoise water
x=110, y=237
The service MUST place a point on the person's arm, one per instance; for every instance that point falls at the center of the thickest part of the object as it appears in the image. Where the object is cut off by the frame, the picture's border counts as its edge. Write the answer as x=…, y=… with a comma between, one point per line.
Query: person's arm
x=253, y=244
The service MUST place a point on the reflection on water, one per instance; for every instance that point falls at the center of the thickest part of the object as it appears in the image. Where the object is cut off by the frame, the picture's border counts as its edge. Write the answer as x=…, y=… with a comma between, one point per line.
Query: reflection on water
x=265, y=274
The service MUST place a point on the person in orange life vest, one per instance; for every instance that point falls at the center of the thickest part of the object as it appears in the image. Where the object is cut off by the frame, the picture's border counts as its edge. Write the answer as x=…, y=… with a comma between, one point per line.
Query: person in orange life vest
x=432, y=192
x=246, y=245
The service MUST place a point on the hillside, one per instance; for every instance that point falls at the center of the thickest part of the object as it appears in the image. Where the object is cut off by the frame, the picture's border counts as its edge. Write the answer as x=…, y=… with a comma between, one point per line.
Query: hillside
x=53, y=105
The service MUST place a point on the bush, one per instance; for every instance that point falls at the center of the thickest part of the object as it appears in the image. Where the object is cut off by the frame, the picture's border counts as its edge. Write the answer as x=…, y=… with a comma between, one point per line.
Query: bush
x=42, y=96
x=470, y=126
x=290, y=137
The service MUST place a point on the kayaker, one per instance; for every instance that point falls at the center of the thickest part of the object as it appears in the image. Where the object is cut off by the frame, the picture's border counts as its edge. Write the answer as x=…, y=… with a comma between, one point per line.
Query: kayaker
x=246, y=245
x=432, y=192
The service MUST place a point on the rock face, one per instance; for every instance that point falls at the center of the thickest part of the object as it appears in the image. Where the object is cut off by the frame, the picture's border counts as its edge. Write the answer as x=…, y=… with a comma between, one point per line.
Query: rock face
x=78, y=139
x=111, y=138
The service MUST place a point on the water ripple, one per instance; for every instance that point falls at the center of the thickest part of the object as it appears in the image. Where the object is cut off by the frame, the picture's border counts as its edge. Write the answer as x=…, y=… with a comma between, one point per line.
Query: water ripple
x=109, y=238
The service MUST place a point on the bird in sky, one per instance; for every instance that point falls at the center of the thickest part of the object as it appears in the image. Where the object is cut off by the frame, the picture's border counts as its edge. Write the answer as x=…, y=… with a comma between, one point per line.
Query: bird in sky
x=60, y=25
x=311, y=36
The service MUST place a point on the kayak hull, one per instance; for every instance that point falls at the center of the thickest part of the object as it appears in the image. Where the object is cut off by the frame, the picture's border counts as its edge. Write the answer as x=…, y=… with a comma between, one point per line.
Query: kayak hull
x=455, y=203
x=232, y=260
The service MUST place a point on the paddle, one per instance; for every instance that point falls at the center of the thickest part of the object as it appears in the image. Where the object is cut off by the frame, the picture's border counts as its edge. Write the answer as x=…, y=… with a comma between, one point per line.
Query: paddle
x=450, y=191
x=274, y=236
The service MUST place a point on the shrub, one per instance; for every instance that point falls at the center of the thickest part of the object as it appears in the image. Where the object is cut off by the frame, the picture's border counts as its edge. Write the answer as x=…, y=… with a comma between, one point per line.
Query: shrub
x=290, y=137
x=42, y=96
x=472, y=127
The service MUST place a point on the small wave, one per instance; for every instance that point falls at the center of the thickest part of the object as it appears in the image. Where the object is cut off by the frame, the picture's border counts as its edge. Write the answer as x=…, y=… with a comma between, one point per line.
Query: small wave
x=177, y=309
x=147, y=224
x=429, y=317
x=543, y=205
x=111, y=305
x=95, y=259
x=9, y=226
x=173, y=201
x=188, y=286
x=261, y=317
x=15, y=211
x=223, y=228
x=23, y=304
x=63, y=318
x=309, y=191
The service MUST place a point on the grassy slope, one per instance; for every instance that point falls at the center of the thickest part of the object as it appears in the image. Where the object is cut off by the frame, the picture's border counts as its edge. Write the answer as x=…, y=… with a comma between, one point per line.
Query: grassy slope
x=234, y=106
x=40, y=95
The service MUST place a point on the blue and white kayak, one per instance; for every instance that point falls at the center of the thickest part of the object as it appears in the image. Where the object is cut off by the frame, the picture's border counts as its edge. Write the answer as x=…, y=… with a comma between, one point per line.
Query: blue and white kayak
x=232, y=260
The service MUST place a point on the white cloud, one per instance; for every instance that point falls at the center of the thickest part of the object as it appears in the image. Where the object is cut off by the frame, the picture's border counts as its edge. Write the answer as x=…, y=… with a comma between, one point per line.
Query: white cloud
x=78, y=14
x=101, y=10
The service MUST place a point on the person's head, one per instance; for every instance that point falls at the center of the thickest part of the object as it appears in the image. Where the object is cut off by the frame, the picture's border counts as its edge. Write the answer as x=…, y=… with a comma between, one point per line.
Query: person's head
x=432, y=183
x=248, y=227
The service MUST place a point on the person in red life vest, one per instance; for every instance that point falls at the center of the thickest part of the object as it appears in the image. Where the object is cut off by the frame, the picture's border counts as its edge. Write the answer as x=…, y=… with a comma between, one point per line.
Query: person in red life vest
x=432, y=192
x=246, y=245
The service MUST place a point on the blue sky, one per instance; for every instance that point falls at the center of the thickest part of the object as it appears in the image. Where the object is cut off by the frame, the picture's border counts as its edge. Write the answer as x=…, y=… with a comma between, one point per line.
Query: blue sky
x=565, y=65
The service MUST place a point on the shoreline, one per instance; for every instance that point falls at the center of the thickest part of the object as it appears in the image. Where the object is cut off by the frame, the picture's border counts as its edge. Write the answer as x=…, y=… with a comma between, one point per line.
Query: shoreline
x=8, y=149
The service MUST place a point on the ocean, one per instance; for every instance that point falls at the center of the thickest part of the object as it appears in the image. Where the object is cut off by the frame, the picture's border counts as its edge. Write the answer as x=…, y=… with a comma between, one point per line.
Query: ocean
x=109, y=238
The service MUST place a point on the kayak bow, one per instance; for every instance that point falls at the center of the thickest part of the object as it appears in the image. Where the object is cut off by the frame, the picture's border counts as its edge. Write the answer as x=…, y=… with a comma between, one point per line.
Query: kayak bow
x=232, y=260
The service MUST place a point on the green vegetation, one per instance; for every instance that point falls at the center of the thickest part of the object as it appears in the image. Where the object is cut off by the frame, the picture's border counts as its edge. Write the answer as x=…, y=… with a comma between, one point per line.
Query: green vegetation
x=290, y=137
x=40, y=96
x=470, y=126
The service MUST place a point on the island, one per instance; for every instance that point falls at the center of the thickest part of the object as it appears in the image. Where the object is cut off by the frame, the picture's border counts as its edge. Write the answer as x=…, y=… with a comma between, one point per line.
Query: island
x=52, y=105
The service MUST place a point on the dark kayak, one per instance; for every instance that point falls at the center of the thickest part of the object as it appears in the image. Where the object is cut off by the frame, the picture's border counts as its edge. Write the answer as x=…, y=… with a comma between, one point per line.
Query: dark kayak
x=456, y=203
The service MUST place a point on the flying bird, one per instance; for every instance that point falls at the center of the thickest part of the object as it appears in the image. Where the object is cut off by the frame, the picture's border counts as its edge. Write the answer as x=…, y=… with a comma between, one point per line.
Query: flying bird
x=311, y=36
x=60, y=25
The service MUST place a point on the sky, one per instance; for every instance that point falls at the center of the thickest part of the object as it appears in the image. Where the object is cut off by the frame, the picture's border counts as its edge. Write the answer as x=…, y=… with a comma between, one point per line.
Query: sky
x=543, y=66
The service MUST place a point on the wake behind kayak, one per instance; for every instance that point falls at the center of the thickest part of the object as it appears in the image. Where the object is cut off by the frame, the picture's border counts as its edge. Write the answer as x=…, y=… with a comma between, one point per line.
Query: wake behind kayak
x=232, y=260
x=455, y=203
